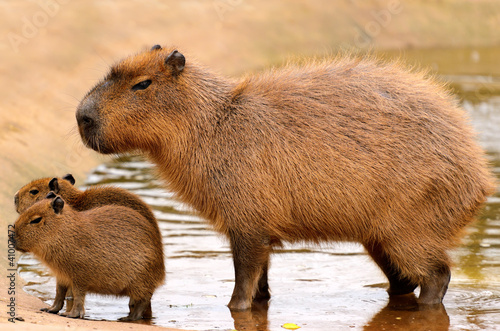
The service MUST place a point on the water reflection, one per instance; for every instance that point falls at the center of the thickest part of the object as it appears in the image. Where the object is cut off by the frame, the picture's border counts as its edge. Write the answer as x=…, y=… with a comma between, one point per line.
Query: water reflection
x=252, y=320
x=403, y=313
x=400, y=313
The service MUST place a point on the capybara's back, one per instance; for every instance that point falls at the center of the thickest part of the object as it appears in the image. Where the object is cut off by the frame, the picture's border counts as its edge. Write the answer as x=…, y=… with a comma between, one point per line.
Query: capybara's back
x=350, y=150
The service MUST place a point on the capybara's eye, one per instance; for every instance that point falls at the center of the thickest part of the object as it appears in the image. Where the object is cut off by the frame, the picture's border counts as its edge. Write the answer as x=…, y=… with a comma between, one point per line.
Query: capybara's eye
x=142, y=85
x=34, y=192
x=36, y=220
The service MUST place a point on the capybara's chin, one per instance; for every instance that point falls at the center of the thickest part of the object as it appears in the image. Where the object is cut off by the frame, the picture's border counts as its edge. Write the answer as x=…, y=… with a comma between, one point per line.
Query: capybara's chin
x=18, y=247
x=94, y=142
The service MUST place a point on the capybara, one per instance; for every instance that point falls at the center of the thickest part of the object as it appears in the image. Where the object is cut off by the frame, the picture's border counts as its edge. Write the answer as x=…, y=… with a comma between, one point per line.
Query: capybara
x=109, y=250
x=95, y=196
x=348, y=149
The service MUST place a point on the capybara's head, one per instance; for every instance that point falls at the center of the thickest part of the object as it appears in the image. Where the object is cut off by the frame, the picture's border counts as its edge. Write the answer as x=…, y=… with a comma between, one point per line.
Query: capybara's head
x=137, y=94
x=36, y=226
x=38, y=189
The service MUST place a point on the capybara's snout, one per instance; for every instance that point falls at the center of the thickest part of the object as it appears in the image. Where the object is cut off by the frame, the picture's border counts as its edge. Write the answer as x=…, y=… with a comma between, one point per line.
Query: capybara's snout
x=87, y=117
x=88, y=120
x=17, y=243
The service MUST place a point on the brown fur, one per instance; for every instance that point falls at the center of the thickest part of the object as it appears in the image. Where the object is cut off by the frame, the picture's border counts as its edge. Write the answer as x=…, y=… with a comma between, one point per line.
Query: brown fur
x=107, y=250
x=343, y=150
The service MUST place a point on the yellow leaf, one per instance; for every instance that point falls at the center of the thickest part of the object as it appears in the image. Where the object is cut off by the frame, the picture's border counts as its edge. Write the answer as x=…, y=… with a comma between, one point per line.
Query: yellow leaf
x=290, y=326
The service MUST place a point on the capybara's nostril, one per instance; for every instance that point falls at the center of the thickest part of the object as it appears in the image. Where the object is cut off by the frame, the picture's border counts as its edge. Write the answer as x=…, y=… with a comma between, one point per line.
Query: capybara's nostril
x=84, y=120
x=86, y=114
x=87, y=121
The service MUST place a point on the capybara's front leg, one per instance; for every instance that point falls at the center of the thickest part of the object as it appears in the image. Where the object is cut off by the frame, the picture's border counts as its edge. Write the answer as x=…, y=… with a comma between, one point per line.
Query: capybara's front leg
x=263, y=292
x=69, y=300
x=434, y=287
x=59, y=300
x=250, y=258
x=78, y=309
x=148, y=313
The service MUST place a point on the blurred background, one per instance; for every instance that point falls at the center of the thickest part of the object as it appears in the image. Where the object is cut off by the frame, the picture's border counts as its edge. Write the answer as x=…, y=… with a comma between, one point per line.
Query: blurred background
x=54, y=51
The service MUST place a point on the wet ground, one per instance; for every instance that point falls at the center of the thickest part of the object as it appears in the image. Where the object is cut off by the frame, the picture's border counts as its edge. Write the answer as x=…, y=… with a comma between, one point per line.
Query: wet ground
x=334, y=287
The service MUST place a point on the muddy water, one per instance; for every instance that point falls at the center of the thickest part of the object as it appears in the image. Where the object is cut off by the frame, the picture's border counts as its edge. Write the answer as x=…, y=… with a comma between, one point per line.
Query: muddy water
x=335, y=287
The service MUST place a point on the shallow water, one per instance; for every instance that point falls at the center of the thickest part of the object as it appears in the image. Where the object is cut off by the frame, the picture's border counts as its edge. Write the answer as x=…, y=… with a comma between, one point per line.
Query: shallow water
x=335, y=287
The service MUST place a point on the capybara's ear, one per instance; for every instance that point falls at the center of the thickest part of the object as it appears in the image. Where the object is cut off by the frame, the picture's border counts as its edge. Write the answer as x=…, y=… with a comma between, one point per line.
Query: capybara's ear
x=57, y=205
x=155, y=47
x=70, y=178
x=50, y=195
x=176, y=61
x=54, y=185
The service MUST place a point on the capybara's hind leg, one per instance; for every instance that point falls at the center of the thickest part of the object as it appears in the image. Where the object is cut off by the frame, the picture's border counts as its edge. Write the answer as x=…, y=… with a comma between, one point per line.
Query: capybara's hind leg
x=140, y=307
x=434, y=287
x=250, y=258
x=59, y=300
x=398, y=284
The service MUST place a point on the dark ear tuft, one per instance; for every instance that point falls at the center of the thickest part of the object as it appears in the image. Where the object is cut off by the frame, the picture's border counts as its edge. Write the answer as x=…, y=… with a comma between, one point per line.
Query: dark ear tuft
x=69, y=178
x=54, y=185
x=176, y=61
x=50, y=195
x=155, y=47
x=57, y=205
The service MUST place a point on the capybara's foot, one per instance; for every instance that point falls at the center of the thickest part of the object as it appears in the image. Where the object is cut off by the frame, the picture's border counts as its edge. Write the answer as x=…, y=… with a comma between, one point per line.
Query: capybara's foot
x=50, y=310
x=239, y=304
x=74, y=313
x=126, y=319
x=433, y=289
x=138, y=309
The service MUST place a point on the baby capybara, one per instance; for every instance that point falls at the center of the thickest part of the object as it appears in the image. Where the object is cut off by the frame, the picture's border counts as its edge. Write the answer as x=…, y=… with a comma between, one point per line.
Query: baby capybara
x=109, y=250
x=95, y=196
x=344, y=150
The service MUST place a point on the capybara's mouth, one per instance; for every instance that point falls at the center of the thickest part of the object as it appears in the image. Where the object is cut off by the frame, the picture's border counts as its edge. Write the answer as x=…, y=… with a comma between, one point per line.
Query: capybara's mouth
x=95, y=143
x=17, y=246
x=91, y=138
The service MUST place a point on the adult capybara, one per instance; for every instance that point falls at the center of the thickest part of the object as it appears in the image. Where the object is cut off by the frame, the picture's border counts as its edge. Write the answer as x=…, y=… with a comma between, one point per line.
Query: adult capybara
x=108, y=250
x=95, y=196
x=344, y=150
